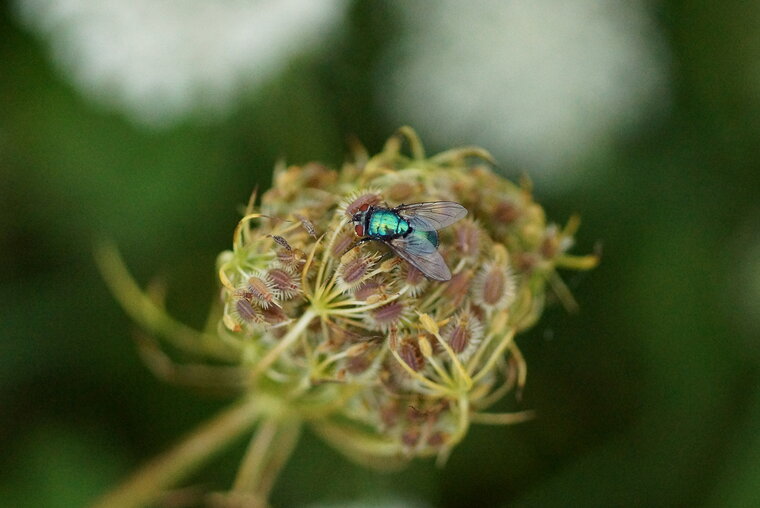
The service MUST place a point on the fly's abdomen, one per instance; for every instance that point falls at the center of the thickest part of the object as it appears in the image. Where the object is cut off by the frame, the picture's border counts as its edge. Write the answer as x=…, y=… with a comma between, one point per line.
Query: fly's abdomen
x=386, y=223
x=430, y=236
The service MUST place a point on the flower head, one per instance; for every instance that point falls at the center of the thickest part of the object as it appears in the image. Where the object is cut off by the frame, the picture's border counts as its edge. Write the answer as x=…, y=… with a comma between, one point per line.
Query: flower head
x=433, y=344
x=383, y=362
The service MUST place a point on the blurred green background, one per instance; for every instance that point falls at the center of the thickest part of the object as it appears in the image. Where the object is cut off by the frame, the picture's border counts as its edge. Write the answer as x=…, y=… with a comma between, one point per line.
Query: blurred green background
x=650, y=395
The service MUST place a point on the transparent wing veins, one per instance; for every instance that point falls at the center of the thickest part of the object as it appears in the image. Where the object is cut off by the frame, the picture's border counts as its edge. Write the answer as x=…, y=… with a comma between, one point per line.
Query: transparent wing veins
x=432, y=215
x=423, y=255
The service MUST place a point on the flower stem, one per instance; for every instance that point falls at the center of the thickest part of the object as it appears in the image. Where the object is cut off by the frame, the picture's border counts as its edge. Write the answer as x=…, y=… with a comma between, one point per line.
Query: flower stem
x=254, y=461
x=146, y=312
x=283, y=446
x=270, y=448
x=146, y=485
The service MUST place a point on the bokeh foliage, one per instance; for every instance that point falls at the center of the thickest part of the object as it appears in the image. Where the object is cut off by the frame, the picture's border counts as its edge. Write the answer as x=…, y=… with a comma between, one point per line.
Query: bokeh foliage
x=648, y=395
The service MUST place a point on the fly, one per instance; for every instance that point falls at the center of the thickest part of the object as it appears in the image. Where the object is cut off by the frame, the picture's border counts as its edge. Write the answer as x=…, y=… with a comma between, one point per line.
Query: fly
x=411, y=232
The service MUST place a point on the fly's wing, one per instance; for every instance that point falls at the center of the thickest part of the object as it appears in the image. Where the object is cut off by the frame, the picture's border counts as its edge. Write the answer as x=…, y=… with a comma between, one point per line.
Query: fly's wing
x=417, y=250
x=433, y=215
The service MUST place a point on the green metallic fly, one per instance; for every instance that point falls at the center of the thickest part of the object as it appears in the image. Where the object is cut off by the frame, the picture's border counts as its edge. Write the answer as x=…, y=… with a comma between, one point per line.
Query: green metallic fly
x=411, y=232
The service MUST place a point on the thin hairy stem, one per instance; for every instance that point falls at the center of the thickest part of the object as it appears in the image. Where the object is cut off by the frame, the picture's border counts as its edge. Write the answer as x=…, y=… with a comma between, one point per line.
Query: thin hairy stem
x=147, y=485
x=282, y=448
x=250, y=470
x=152, y=317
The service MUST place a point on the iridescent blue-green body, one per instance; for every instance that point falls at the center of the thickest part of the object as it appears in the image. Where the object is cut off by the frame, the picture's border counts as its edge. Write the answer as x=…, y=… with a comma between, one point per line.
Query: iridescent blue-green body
x=410, y=231
x=383, y=223
x=386, y=224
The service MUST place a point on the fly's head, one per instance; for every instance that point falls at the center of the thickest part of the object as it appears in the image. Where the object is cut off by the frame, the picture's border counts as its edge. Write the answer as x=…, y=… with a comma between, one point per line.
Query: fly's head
x=358, y=219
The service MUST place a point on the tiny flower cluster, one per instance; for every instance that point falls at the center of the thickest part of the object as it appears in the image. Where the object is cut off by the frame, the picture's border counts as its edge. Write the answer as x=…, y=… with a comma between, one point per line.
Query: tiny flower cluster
x=383, y=362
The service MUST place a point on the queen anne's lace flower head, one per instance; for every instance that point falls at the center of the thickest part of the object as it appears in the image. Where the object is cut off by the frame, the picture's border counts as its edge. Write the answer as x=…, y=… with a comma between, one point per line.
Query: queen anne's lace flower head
x=365, y=335
x=381, y=361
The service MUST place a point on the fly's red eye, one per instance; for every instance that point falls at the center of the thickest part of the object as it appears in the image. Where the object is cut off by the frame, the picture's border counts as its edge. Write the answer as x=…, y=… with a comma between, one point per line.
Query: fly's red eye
x=364, y=207
x=359, y=230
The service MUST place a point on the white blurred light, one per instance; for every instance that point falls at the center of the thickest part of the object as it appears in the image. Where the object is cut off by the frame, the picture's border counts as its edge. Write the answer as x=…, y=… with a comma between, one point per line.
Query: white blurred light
x=159, y=60
x=541, y=83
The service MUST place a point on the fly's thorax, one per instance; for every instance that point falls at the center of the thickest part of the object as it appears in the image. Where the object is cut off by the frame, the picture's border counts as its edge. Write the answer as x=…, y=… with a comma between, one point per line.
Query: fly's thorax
x=383, y=222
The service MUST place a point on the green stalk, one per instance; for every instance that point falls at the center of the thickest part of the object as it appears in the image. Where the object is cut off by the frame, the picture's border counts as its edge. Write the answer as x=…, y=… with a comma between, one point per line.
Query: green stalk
x=147, y=485
x=256, y=456
x=148, y=314
x=282, y=447
x=269, y=450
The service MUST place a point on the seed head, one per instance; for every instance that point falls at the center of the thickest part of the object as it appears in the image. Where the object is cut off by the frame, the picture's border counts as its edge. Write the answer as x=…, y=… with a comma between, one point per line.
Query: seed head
x=284, y=282
x=282, y=242
x=307, y=225
x=293, y=259
x=377, y=327
x=494, y=286
x=410, y=353
x=371, y=288
x=245, y=310
x=506, y=212
x=355, y=268
x=458, y=287
x=463, y=333
x=388, y=315
x=467, y=236
x=342, y=244
x=274, y=315
x=261, y=290
x=349, y=336
x=413, y=279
